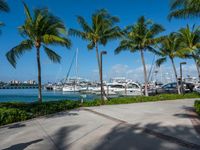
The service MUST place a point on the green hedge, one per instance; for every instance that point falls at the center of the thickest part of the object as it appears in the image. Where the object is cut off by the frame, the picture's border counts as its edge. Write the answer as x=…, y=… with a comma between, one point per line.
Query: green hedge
x=10, y=115
x=40, y=109
x=15, y=111
x=197, y=106
x=139, y=99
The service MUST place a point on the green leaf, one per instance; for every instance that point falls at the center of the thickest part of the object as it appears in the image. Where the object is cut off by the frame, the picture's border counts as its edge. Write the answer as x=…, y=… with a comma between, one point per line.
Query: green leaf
x=160, y=61
x=54, y=57
x=18, y=50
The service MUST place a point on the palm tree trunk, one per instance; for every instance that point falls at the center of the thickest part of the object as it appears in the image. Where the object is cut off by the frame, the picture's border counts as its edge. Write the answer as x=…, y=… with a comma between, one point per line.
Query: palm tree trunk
x=39, y=76
x=176, y=76
x=98, y=59
x=145, y=74
x=198, y=71
x=99, y=66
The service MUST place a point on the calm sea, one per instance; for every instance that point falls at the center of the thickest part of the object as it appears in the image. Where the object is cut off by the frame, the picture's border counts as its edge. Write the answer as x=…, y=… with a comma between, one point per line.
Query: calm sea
x=30, y=95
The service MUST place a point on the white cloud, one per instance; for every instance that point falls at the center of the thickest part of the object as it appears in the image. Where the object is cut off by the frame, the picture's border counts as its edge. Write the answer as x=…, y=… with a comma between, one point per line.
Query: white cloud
x=165, y=73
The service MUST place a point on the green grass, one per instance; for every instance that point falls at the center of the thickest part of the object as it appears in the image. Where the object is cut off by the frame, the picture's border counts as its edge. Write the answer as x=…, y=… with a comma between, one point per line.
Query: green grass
x=197, y=106
x=139, y=99
x=17, y=111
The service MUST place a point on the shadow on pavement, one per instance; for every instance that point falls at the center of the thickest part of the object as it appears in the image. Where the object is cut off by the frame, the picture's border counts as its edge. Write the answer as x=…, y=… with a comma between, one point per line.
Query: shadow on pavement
x=133, y=137
x=17, y=125
x=61, y=137
x=62, y=114
x=22, y=146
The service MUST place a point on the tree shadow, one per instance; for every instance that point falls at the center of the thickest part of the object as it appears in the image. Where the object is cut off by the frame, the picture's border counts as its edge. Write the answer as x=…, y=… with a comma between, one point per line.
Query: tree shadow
x=16, y=125
x=22, y=146
x=61, y=137
x=189, y=116
x=61, y=114
x=133, y=137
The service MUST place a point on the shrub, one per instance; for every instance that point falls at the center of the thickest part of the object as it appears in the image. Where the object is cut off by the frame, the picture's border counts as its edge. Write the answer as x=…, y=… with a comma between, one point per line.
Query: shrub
x=197, y=106
x=10, y=115
x=39, y=109
x=91, y=103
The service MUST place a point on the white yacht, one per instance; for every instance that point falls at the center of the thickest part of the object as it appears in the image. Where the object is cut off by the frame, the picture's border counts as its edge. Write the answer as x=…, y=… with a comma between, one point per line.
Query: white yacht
x=71, y=88
x=130, y=89
x=120, y=89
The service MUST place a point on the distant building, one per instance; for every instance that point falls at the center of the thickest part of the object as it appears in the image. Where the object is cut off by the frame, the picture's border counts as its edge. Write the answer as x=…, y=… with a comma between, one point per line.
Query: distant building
x=30, y=82
x=14, y=82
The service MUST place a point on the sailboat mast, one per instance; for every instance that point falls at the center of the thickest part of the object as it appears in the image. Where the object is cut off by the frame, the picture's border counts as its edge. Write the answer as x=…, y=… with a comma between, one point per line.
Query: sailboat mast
x=77, y=64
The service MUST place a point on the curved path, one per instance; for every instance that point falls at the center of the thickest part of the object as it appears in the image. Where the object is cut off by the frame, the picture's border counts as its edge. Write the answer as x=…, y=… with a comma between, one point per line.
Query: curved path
x=166, y=125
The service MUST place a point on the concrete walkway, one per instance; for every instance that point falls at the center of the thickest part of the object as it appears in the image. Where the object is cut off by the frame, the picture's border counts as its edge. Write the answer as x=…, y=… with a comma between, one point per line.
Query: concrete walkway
x=143, y=126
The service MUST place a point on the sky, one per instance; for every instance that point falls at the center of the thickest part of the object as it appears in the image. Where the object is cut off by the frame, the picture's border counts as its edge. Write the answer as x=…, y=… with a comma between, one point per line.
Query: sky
x=125, y=64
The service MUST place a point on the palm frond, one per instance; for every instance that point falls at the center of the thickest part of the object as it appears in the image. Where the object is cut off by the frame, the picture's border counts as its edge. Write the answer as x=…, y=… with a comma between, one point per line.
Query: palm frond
x=4, y=6
x=84, y=24
x=153, y=50
x=18, y=50
x=160, y=61
x=74, y=32
x=27, y=12
x=91, y=45
x=177, y=4
x=184, y=9
x=53, y=39
x=126, y=45
x=54, y=57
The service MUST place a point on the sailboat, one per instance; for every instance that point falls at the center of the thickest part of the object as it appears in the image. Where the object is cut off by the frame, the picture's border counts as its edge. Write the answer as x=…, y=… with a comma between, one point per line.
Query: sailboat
x=71, y=85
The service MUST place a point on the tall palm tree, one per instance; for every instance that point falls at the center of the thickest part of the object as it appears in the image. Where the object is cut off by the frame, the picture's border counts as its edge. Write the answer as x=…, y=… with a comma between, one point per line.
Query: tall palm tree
x=39, y=30
x=101, y=30
x=141, y=37
x=4, y=6
x=170, y=48
x=184, y=9
x=190, y=43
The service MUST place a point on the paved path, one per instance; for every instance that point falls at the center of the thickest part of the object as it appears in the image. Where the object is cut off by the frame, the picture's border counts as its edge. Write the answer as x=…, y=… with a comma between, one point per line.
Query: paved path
x=142, y=126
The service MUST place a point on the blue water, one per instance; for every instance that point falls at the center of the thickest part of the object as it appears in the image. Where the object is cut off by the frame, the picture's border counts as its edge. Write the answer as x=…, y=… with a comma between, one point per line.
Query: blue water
x=30, y=95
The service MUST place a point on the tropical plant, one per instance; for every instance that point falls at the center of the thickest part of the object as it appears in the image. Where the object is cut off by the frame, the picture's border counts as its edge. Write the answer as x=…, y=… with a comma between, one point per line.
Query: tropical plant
x=184, y=9
x=170, y=48
x=190, y=43
x=99, y=32
x=4, y=6
x=141, y=37
x=39, y=30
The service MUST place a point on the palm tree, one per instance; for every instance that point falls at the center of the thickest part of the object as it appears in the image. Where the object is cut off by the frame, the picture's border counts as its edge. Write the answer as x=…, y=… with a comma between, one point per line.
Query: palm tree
x=100, y=31
x=184, y=9
x=170, y=48
x=4, y=6
x=190, y=43
x=39, y=30
x=141, y=37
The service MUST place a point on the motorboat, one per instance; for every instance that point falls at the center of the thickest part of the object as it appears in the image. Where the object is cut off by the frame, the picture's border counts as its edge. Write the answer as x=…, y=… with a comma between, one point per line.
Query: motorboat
x=120, y=89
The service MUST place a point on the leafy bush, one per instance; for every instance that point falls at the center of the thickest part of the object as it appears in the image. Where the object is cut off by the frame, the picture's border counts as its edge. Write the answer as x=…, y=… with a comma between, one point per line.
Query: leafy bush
x=91, y=103
x=10, y=115
x=197, y=106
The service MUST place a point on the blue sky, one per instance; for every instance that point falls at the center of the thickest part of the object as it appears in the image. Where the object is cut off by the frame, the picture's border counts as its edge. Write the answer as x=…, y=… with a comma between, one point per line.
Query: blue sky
x=124, y=64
